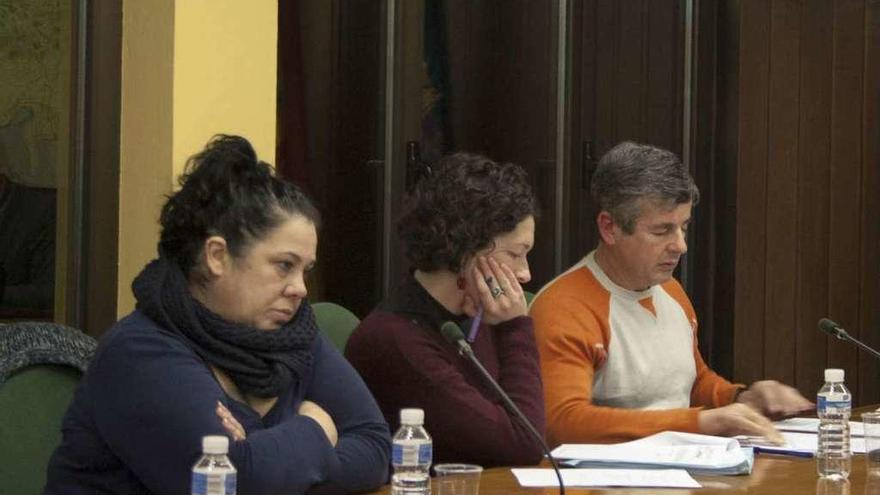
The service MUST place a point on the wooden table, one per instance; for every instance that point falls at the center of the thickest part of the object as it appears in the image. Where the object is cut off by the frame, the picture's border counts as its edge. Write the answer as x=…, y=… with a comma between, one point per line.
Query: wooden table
x=772, y=475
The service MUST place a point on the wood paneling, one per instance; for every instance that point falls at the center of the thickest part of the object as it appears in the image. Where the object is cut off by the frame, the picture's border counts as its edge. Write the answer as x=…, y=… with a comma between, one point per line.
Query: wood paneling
x=812, y=218
x=503, y=98
x=342, y=55
x=781, y=267
x=797, y=123
x=716, y=167
x=664, y=59
x=869, y=222
x=751, y=197
x=97, y=299
x=627, y=85
x=844, y=184
x=705, y=226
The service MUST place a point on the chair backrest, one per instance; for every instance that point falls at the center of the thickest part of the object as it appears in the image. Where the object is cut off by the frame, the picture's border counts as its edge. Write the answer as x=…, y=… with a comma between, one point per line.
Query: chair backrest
x=40, y=366
x=32, y=404
x=336, y=322
x=27, y=343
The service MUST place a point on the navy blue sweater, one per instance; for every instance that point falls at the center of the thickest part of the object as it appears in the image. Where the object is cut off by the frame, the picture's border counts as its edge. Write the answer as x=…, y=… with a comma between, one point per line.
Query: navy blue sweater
x=136, y=422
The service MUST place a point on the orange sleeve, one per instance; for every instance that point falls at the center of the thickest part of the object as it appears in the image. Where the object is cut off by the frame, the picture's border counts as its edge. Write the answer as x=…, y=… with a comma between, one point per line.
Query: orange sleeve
x=571, y=328
x=710, y=389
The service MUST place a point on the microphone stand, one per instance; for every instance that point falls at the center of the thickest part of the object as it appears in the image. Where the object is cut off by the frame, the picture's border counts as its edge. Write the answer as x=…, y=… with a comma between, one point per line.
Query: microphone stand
x=465, y=350
x=835, y=330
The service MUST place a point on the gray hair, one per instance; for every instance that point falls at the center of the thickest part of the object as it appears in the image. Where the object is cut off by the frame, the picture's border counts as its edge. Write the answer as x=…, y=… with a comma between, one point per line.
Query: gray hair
x=630, y=172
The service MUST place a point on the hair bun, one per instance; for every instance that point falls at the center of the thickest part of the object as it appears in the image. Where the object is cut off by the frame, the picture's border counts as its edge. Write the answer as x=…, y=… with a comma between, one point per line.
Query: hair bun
x=226, y=191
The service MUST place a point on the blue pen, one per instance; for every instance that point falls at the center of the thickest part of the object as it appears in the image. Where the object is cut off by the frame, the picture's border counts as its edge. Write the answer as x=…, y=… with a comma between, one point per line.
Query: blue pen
x=793, y=453
x=475, y=325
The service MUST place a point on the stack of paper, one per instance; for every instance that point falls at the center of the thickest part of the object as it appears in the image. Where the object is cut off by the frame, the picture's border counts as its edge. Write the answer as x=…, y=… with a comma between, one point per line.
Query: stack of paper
x=698, y=454
x=811, y=425
x=800, y=435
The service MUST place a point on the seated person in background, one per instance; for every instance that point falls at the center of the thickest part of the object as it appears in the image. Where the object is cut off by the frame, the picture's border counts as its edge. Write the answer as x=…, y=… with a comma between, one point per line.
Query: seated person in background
x=466, y=230
x=223, y=342
x=617, y=334
x=27, y=250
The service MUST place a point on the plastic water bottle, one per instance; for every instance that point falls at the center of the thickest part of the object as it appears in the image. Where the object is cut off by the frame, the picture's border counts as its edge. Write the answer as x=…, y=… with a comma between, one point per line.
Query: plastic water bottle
x=411, y=451
x=833, y=406
x=214, y=474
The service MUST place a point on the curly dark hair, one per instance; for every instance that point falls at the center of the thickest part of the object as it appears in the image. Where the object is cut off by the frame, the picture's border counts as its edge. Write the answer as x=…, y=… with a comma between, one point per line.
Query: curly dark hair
x=459, y=209
x=227, y=191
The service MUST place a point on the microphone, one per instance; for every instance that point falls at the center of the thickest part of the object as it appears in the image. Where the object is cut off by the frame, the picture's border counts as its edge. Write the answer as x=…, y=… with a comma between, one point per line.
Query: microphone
x=835, y=330
x=455, y=336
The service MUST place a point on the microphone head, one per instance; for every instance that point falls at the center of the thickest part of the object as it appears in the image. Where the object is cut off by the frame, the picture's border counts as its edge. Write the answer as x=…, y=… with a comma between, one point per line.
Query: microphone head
x=451, y=332
x=829, y=327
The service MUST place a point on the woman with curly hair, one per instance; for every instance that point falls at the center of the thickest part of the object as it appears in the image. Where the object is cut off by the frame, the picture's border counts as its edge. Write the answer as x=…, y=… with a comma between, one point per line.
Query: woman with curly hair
x=223, y=342
x=466, y=231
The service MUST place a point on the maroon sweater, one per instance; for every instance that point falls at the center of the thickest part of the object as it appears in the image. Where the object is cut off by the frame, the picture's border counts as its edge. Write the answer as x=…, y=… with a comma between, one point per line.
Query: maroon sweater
x=399, y=352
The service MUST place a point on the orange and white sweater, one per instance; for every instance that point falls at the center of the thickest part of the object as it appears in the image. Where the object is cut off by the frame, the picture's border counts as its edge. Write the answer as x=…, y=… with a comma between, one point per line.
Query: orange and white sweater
x=619, y=364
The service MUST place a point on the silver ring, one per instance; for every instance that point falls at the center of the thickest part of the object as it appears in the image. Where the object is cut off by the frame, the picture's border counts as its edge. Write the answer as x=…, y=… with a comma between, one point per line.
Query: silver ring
x=497, y=291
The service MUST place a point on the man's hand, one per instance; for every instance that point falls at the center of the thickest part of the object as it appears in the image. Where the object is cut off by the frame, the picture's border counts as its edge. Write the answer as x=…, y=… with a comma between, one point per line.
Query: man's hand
x=775, y=400
x=738, y=419
x=316, y=412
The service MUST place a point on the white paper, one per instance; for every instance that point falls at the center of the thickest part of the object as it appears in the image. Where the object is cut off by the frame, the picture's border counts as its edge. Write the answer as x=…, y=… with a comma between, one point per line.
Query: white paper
x=808, y=442
x=652, y=478
x=811, y=425
x=668, y=448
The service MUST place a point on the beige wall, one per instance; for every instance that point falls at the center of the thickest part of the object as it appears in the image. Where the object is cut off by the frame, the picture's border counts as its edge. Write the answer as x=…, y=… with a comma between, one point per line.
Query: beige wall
x=190, y=69
x=224, y=74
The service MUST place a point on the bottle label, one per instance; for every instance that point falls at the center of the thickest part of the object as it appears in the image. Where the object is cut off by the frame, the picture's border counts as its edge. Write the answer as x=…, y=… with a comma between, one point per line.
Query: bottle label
x=213, y=484
x=408, y=453
x=832, y=405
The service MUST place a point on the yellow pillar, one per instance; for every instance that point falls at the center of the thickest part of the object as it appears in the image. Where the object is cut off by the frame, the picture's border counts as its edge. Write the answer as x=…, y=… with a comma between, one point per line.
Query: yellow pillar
x=190, y=69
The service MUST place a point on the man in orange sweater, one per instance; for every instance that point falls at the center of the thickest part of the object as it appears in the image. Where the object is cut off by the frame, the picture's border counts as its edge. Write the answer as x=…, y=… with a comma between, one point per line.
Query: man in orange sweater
x=617, y=334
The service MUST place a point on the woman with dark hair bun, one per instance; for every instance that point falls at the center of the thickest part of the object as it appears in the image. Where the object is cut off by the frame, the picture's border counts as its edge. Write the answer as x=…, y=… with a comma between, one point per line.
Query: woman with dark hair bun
x=223, y=342
x=466, y=230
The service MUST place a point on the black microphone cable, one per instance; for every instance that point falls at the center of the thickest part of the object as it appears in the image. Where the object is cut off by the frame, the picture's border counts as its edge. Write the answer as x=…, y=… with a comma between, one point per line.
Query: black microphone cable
x=453, y=334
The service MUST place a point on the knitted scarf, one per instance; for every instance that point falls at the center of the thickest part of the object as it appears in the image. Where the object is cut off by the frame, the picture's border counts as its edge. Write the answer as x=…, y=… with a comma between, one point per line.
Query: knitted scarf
x=262, y=363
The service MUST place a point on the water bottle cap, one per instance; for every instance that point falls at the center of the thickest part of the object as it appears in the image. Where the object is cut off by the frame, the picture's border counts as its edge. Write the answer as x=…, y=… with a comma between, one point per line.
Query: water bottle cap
x=413, y=417
x=834, y=375
x=215, y=444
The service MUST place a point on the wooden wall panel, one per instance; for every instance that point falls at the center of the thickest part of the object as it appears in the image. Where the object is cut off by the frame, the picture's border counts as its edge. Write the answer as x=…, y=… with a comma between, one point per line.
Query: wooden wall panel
x=801, y=132
x=581, y=211
x=703, y=139
x=725, y=128
x=97, y=301
x=503, y=98
x=754, y=64
x=342, y=53
x=606, y=85
x=813, y=195
x=627, y=85
x=782, y=175
x=629, y=69
x=663, y=76
x=845, y=179
x=869, y=264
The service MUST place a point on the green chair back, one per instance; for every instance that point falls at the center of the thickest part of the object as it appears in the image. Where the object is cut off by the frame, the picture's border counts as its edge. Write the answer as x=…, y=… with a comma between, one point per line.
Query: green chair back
x=336, y=322
x=32, y=402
